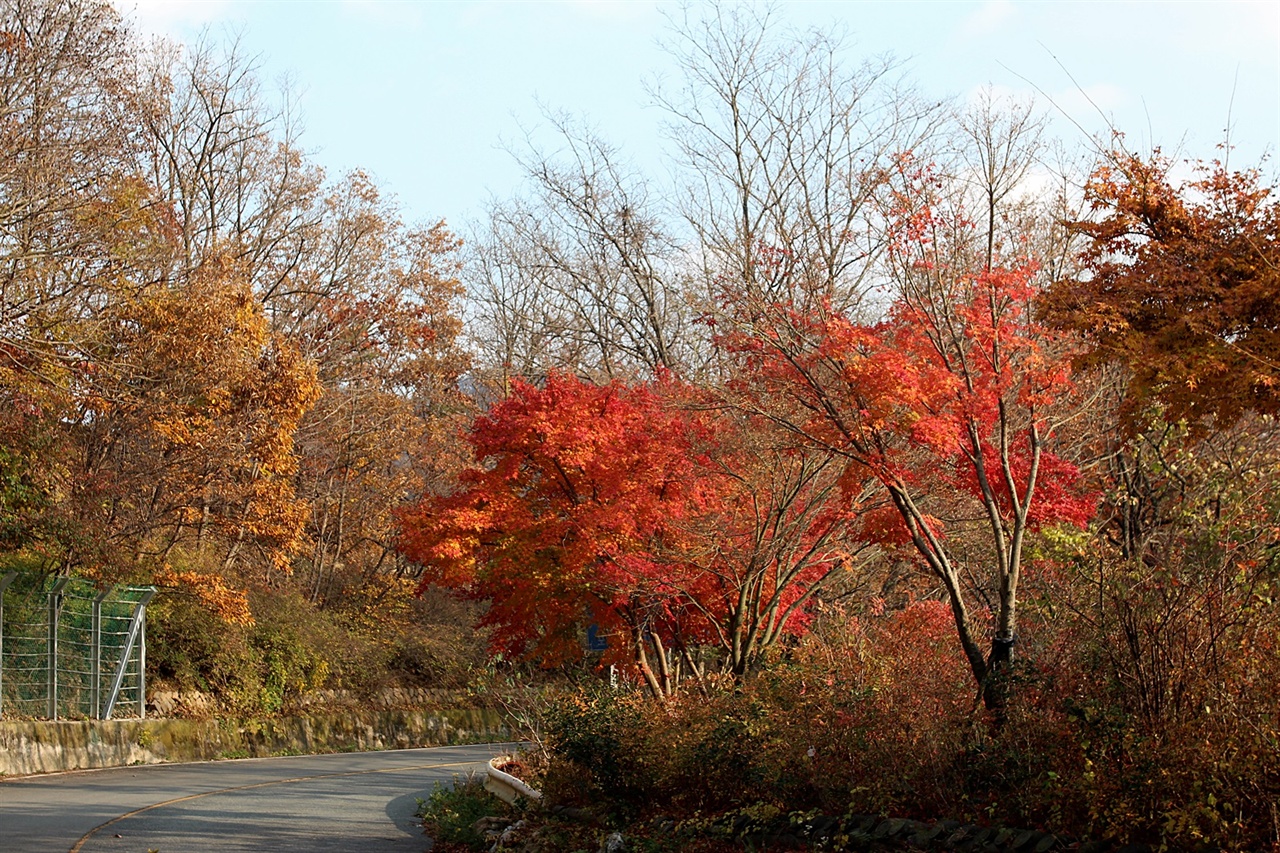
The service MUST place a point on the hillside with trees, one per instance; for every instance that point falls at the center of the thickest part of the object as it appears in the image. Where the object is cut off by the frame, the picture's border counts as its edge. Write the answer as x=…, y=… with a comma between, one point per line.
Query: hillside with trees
x=221, y=369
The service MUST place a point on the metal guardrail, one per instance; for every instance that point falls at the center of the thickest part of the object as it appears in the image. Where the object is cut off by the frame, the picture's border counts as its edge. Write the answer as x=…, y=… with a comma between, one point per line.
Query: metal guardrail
x=503, y=785
x=69, y=648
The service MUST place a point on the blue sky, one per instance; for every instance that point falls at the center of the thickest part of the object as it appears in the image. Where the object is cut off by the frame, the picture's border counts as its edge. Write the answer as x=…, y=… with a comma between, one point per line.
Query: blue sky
x=423, y=95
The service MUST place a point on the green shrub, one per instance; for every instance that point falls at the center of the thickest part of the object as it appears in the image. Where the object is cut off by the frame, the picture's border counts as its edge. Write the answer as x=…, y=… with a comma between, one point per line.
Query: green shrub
x=597, y=735
x=450, y=813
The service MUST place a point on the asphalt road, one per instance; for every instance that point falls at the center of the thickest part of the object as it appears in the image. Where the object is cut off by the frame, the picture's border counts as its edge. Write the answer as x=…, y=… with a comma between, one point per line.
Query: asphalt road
x=347, y=802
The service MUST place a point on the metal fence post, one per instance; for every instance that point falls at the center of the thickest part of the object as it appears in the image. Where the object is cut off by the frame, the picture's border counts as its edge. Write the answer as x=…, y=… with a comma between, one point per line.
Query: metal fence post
x=55, y=608
x=95, y=665
x=142, y=663
x=4, y=585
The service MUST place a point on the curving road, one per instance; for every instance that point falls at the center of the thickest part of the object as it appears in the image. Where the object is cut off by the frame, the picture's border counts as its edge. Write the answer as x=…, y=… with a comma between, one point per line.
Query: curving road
x=348, y=802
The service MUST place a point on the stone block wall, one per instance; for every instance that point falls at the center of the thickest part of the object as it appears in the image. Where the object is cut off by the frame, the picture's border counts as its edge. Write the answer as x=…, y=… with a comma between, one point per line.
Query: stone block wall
x=43, y=747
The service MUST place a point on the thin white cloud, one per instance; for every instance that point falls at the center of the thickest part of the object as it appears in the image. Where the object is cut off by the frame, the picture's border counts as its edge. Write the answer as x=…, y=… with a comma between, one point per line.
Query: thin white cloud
x=1227, y=27
x=986, y=19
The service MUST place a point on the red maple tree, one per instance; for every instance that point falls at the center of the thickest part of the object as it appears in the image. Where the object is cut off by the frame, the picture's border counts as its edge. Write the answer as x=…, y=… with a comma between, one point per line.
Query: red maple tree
x=949, y=405
x=670, y=525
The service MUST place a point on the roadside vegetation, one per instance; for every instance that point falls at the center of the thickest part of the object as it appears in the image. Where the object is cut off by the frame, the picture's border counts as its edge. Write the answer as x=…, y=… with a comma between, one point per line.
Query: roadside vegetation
x=890, y=463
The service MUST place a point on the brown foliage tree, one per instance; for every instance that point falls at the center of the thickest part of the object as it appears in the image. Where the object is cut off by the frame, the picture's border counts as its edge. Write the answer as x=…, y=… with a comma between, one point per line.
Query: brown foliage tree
x=376, y=316
x=1183, y=286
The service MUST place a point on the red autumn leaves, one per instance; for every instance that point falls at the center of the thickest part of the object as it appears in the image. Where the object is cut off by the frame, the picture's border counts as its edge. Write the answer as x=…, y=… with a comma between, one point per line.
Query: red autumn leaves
x=663, y=521
x=673, y=516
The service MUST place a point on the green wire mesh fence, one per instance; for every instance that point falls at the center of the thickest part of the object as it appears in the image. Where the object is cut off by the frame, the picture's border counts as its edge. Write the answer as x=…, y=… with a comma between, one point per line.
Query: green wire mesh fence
x=70, y=649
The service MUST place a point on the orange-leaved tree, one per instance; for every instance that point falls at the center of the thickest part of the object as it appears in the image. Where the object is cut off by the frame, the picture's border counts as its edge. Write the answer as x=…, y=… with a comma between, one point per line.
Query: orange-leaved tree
x=571, y=478
x=187, y=406
x=626, y=506
x=776, y=522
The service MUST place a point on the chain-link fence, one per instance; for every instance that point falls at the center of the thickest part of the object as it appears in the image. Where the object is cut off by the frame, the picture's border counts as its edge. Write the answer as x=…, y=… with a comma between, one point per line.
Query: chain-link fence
x=71, y=649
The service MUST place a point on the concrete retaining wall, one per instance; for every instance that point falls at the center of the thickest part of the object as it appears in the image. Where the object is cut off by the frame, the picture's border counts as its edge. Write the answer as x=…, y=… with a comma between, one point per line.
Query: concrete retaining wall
x=45, y=747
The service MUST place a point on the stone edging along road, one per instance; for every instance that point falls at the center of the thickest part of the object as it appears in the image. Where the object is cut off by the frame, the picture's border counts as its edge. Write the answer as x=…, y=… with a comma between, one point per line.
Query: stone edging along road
x=48, y=747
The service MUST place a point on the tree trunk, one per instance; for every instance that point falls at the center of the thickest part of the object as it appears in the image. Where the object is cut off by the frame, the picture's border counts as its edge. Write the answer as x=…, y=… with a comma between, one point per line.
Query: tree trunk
x=995, y=684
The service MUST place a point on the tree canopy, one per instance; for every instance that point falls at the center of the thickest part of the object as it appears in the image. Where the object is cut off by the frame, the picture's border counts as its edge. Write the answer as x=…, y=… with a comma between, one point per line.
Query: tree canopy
x=1183, y=285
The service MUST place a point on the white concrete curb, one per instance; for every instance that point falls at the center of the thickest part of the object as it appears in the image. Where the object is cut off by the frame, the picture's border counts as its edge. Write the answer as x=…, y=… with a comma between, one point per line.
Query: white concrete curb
x=504, y=786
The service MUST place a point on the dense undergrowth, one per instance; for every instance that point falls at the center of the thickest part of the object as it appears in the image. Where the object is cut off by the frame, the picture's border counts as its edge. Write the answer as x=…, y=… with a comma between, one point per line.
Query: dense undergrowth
x=294, y=648
x=880, y=718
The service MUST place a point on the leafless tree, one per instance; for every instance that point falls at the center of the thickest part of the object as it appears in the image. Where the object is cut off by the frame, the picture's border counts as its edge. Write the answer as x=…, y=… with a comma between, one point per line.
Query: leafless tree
x=783, y=150
x=226, y=161
x=786, y=147
x=580, y=275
